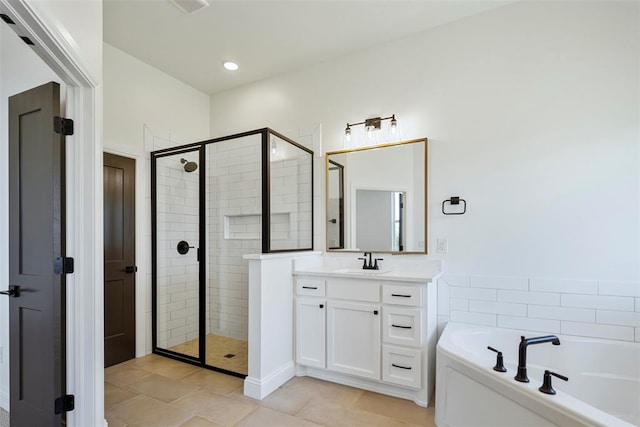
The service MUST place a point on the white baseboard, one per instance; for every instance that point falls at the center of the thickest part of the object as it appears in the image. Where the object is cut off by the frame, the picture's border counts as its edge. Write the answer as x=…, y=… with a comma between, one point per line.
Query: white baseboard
x=417, y=396
x=4, y=399
x=260, y=388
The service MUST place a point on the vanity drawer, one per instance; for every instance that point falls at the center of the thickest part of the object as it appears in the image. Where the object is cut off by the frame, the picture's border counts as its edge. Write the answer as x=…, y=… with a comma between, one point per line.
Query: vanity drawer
x=357, y=290
x=402, y=366
x=402, y=295
x=310, y=287
x=402, y=326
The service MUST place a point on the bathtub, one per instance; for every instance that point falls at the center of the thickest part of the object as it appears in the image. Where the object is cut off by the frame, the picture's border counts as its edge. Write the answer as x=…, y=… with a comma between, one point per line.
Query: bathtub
x=603, y=387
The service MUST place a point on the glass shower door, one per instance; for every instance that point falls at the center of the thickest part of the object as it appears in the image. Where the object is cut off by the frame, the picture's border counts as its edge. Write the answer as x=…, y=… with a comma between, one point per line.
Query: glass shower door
x=176, y=242
x=233, y=198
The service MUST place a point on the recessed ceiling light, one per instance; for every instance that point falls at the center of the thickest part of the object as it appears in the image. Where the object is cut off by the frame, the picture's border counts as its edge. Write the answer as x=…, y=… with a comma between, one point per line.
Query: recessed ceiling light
x=231, y=66
x=190, y=6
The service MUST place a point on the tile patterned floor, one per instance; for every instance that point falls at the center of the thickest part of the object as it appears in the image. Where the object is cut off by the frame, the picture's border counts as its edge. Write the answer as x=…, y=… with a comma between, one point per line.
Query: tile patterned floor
x=217, y=347
x=156, y=391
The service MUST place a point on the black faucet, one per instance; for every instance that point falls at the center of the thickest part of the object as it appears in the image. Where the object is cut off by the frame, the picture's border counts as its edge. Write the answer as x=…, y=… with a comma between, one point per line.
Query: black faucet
x=372, y=264
x=522, y=353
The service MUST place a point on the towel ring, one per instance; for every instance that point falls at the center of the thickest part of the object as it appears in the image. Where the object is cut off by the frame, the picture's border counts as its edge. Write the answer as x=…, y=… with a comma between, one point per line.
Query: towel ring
x=455, y=200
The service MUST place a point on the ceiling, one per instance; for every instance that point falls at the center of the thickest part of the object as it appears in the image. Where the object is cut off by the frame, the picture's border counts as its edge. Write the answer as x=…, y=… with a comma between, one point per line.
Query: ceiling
x=266, y=37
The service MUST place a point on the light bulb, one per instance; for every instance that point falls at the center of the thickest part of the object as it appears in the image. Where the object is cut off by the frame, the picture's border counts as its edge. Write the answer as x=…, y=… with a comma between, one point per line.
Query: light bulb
x=370, y=132
x=394, y=125
x=274, y=148
x=347, y=133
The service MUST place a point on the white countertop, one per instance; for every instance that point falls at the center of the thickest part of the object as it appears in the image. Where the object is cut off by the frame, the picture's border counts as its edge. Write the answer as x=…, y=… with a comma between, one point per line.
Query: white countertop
x=379, y=275
x=403, y=268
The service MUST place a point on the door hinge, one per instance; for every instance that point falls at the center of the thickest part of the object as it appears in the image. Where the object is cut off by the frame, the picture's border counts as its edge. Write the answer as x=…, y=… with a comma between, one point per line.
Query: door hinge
x=62, y=126
x=63, y=265
x=6, y=19
x=65, y=403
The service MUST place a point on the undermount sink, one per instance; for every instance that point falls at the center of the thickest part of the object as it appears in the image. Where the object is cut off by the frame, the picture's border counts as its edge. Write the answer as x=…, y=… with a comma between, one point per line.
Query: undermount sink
x=359, y=271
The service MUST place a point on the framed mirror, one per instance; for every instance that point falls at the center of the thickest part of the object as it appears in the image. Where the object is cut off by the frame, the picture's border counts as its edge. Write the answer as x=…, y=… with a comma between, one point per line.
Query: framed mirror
x=376, y=198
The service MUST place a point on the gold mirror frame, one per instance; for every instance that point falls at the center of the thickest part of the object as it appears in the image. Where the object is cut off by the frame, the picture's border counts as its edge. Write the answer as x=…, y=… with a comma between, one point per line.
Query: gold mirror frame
x=426, y=190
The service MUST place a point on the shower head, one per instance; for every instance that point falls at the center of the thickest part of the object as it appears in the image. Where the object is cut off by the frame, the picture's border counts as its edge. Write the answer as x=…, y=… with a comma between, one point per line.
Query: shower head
x=189, y=166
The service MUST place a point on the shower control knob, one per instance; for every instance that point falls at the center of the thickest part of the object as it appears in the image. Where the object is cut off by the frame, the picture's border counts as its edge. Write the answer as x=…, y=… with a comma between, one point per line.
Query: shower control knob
x=499, y=361
x=183, y=247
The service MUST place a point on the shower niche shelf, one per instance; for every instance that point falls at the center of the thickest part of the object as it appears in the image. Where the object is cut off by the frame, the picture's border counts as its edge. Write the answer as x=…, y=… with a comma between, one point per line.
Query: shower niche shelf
x=249, y=226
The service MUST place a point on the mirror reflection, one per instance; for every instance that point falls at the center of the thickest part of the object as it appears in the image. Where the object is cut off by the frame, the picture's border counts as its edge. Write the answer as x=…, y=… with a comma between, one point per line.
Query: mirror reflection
x=376, y=198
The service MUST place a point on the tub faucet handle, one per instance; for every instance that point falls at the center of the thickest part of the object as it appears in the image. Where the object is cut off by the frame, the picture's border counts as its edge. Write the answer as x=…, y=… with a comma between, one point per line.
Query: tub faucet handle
x=546, y=382
x=499, y=361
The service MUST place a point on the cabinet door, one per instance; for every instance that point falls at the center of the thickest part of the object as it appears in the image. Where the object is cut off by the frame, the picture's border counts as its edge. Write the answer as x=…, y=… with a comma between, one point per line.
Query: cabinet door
x=353, y=338
x=310, y=332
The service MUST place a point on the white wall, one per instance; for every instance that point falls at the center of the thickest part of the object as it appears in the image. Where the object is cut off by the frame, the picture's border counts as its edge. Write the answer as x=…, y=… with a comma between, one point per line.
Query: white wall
x=20, y=70
x=146, y=110
x=137, y=94
x=537, y=130
x=532, y=116
x=79, y=23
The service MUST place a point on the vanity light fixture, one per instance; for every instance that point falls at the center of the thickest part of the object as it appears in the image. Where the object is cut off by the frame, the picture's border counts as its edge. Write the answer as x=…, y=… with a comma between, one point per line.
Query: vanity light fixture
x=372, y=129
x=230, y=65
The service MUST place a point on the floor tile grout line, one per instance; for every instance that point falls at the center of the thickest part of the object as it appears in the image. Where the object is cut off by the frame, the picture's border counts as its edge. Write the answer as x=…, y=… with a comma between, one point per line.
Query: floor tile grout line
x=248, y=414
x=124, y=401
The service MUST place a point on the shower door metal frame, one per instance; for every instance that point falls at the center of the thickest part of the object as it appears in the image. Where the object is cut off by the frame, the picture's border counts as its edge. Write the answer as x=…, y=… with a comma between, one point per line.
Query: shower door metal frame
x=199, y=360
x=202, y=241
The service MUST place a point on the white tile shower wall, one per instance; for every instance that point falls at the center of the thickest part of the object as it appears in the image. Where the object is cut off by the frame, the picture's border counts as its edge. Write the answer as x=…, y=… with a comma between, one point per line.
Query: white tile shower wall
x=177, y=275
x=599, y=309
x=234, y=228
x=291, y=219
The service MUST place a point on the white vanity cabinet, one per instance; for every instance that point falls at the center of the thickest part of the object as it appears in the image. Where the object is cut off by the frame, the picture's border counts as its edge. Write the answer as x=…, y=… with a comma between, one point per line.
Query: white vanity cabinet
x=310, y=323
x=367, y=332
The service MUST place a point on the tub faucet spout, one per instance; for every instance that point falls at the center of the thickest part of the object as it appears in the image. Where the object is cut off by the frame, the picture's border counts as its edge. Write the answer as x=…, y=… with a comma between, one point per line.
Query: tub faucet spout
x=522, y=353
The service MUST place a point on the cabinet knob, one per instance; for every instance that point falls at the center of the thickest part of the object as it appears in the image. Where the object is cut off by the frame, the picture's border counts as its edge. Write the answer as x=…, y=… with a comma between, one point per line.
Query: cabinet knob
x=321, y=305
x=375, y=312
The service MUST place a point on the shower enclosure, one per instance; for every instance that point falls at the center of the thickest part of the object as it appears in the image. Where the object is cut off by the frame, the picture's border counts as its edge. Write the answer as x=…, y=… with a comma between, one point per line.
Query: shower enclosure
x=213, y=202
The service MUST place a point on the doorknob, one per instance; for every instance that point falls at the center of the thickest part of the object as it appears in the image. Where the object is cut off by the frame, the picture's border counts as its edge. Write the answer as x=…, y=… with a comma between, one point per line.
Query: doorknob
x=14, y=291
x=130, y=269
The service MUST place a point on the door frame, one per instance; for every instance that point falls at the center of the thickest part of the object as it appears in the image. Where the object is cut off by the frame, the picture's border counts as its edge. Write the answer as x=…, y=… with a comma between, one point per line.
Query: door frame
x=85, y=378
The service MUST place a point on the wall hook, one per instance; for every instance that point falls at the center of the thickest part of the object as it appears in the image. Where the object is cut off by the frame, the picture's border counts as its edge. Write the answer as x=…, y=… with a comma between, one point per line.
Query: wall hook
x=455, y=200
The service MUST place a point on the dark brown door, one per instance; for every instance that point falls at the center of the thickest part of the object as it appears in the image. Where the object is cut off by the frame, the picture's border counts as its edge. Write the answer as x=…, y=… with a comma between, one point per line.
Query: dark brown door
x=119, y=259
x=36, y=240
